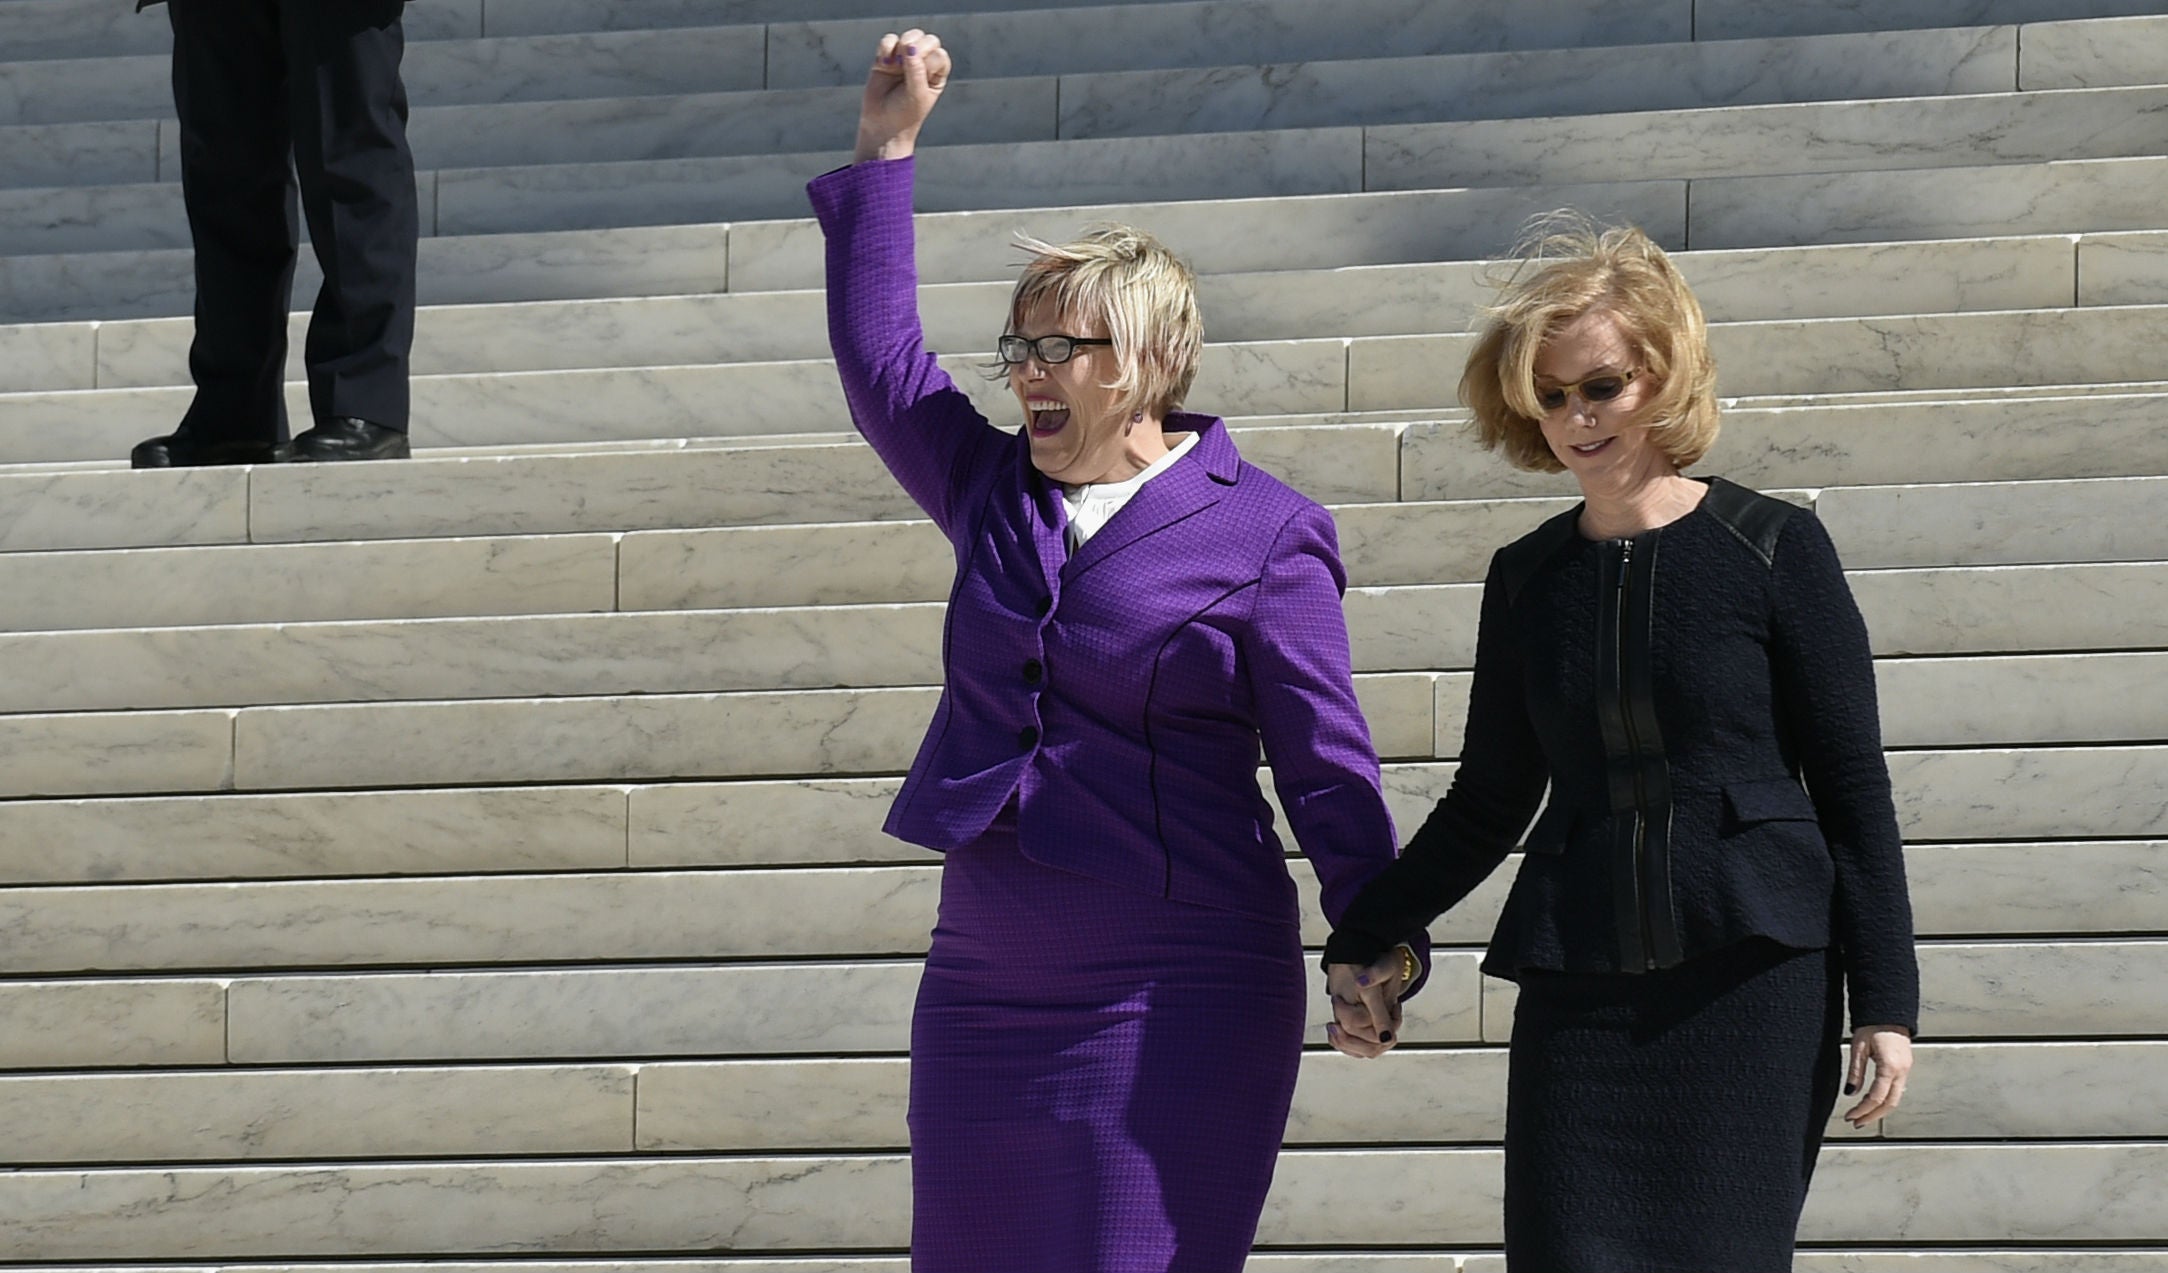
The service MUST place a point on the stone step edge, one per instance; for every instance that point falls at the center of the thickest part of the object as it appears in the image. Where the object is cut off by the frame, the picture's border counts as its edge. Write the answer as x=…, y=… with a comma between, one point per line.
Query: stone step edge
x=2102, y=313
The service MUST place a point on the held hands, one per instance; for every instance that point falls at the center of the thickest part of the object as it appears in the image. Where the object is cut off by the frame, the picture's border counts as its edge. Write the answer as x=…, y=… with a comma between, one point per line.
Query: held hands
x=1365, y=1005
x=909, y=72
x=1891, y=1050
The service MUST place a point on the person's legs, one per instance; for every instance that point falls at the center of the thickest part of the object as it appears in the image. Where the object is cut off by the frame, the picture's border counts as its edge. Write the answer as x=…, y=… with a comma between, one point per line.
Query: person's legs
x=229, y=90
x=349, y=113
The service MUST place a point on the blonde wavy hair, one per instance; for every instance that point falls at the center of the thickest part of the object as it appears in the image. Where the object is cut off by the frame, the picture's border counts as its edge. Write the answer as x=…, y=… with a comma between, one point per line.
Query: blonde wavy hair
x=1566, y=265
x=1144, y=294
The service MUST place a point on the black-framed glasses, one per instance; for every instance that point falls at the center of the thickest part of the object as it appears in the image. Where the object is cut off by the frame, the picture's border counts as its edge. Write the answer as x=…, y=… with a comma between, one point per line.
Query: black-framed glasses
x=1053, y=350
x=1595, y=389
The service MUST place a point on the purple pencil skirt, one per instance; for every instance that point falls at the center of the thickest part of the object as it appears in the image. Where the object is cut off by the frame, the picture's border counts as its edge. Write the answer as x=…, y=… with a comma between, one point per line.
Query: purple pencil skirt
x=1100, y=1078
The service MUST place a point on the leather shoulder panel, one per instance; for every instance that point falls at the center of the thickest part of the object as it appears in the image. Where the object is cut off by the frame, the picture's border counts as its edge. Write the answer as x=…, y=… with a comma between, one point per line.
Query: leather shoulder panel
x=1755, y=519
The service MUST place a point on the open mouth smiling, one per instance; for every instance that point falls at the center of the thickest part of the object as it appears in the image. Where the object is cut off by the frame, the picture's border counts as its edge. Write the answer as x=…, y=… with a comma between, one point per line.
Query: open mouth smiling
x=1047, y=415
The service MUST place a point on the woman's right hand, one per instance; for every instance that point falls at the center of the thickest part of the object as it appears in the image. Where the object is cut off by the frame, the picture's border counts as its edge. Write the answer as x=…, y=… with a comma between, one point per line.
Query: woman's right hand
x=1365, y=1005
x=909, y=72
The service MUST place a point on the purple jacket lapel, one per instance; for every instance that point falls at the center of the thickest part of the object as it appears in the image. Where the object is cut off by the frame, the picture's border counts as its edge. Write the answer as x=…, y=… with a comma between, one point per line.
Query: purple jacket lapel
x=1191, y=486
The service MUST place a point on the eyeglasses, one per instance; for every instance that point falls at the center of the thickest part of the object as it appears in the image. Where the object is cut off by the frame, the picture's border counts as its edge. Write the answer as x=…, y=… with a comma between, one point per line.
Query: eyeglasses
x=1051, y=350
x=1595, y=389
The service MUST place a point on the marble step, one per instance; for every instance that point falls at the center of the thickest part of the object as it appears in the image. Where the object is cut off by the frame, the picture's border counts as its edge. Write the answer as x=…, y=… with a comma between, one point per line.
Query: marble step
x=2078, y=195
x=1971, y=990
x=1395, y=90
x=1372, y=373
x=1836, y=355
x=860, y=1203
x=2120, y=269
x=1942, y=796
x=633, y=261
x=804, y=54
x=2014, y=438
x=2053, y=889
x=2004, y=700
x=2059, y=433
x=1951, y=203
x=2091, y=54
x=1981, y=991
x=2036, y=1090
x=669, y=645
x=1732, y=19
x=1793, y=283
x=1728, y=142
x=37, y=29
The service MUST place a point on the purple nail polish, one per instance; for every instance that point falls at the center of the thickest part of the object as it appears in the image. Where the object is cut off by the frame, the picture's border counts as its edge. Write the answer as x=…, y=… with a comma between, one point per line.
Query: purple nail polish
x=1362, y=979
x=910, y=50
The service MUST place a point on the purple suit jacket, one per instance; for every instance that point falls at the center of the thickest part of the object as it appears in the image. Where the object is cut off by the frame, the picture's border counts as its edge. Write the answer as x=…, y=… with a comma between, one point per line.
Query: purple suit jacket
x=1121, y=695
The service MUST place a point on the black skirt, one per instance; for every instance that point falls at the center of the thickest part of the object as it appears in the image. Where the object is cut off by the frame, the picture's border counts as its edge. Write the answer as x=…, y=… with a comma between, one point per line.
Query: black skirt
x=1668, y=1123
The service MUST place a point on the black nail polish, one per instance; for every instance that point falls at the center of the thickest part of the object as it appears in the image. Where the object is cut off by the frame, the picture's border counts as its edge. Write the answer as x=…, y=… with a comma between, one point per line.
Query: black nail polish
x=1850, y=1088
x=1385, y=1036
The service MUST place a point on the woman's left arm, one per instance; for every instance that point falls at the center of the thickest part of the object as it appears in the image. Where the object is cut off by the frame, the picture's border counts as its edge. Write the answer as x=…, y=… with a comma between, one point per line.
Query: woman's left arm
x=1824, y=681
x=1324, y=765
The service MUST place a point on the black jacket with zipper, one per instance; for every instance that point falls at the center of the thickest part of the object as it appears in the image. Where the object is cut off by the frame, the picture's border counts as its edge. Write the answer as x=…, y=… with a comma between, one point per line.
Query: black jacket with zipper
x=1671, y=690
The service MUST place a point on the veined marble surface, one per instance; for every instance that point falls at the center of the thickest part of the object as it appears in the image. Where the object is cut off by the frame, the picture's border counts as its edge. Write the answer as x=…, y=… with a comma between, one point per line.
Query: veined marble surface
x=1009, y=174
x=734, y=1204
x=465, y=269
x=436, y=72
x=37, y=29
x=2083, y=989
x=360, y=833
x=240, y=1115
x=47, y=356
x=2021, y=699
x=1911, y=133
x=1230, y=235
x=2054, y=1091
x=2043, y=791
x=2089, y=520
x=1642, y=76
x=650, y=653
x=581, y=739
x=1990, y=1193
x=812, y=820
x=92, y=154
x=2127, y=50
x=64, y=219
x=1221, y=33
x=1744, y=19
x=623, y=491
x=415, y=923
x=1988, y=440
x=291, y=583
x=2014, y=608
x=43, y=511
x=2081, y=195
x=755, y=121
x=116, y=754
x=55, y=1024
x=2123, y=269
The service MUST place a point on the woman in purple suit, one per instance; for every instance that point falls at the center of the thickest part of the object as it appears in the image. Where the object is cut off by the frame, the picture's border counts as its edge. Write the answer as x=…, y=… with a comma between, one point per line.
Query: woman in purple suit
x=1107, y=1033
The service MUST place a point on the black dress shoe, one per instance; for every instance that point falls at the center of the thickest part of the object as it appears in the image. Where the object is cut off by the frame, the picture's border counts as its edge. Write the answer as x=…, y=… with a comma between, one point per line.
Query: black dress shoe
x=182, y=450
x=346, y=439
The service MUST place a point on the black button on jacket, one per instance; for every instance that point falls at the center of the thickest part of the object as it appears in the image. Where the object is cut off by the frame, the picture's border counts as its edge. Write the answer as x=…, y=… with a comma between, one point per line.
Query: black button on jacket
x=1672, y=691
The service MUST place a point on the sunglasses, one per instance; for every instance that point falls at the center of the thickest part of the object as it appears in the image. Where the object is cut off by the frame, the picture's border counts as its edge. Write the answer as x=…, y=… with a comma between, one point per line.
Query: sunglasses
x=1595, y=389
x=1051, y=350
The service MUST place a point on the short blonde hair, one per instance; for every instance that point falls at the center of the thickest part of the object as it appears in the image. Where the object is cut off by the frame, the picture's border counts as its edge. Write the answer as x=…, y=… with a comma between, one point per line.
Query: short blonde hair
x=1144, y=293
x=1564, y=266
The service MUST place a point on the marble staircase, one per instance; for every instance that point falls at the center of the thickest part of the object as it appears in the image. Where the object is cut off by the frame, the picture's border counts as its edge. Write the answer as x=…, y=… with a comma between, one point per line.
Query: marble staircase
x=473, y=863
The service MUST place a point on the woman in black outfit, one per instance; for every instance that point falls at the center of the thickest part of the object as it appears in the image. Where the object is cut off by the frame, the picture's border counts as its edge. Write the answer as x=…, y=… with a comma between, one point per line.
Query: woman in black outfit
x=1670, y=659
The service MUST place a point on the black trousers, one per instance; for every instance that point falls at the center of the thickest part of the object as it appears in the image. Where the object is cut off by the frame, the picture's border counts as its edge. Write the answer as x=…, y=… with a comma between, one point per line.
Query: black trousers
x=268, y=90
